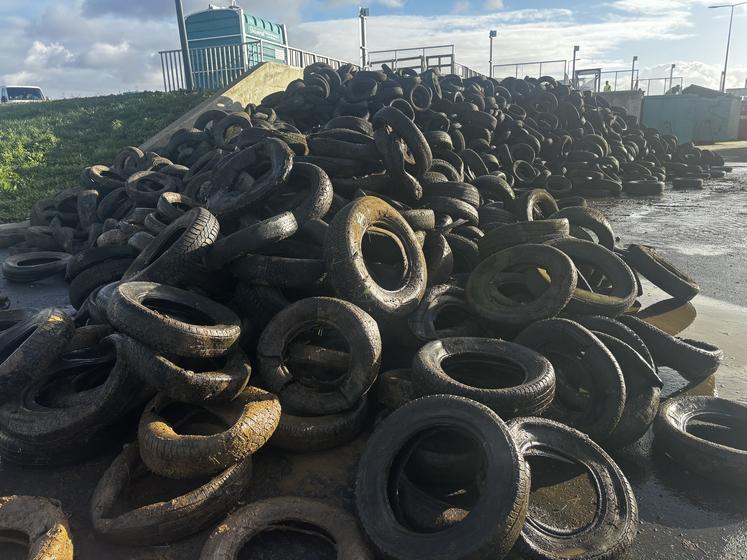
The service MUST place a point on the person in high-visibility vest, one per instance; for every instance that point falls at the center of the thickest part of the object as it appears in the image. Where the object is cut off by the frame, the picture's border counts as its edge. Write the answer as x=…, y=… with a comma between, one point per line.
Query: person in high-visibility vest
x=607, y=86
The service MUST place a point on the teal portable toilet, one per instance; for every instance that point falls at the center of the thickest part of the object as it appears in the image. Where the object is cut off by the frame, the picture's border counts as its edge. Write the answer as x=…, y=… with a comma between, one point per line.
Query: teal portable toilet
x=225, y=41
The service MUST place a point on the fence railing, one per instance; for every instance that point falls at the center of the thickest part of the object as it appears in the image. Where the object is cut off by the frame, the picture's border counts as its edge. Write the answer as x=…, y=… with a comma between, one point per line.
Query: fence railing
x=442, y=57
x=557, y=69
x=220, y=66
x=660, y=86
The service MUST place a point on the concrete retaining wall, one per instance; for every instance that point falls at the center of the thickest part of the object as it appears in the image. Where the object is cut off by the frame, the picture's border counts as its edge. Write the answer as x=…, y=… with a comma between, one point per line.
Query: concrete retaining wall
x=264, y=79
x=632, y=101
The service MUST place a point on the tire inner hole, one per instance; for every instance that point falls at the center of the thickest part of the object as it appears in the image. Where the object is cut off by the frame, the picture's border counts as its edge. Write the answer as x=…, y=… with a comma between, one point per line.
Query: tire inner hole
x=484, y=371
x=385, y=258
x=291, y=540
x=720, y=429
x=190, y=419
x=145, y=488
x=14, y=545
x=574, y=385
x=436, y=479
x=451, y=316
x=178, y=311
x=563, y=495
x=318, y=356
x=65, y=389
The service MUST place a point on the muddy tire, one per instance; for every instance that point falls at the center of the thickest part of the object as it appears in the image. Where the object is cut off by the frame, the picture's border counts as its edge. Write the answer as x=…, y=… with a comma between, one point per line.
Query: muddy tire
x=662, y=273
x=43, y=523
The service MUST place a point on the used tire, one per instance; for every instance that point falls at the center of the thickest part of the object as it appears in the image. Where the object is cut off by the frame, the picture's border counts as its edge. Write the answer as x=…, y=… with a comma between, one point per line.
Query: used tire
x=335, y=524
x=509, y=378
x=248, y=421
x=496, y=519
x=611, y=533
x=300, y=394
x=662, y=273
x=200, y=327
x=589, y=387
x=30, y=267
x=166, y=521
x=42, y=522
x=715, y=448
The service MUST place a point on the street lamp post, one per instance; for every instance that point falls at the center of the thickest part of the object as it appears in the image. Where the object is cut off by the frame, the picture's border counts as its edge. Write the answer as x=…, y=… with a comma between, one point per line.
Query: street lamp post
x=493, y=35
x=632, y=73
x=576, y=48
x=363, y=14
x=187, y=61
x=671, y=76
x=728, y=39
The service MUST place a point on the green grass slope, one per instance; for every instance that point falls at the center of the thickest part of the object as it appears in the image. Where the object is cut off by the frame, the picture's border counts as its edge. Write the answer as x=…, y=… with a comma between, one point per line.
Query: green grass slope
x=45, y=146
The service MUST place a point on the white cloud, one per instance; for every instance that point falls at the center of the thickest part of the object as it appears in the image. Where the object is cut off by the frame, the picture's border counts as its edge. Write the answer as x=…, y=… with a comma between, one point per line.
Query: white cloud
x=493, y=4
x=461, y=7
x=53, y=55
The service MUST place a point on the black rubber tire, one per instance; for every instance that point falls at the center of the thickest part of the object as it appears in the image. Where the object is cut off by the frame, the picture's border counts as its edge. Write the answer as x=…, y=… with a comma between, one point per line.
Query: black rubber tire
x=589, y=387
x=219, y=379
x=306, y=434
x=348, y=271
x=642, y=393
x=35, y=422
x=176, y=251
x=495, y=520
x=453, y=207
x=303, y=397
x=210, y=329
x=93, y=256
x=437, y=299
x=535, y=204
x=611, y=533
x=722, y=461
x=504, y=312
x=508, y=235
x=484, y=362
x=643, y=187
x=624, y=287
x=692, y=359
x=420, y=219
x=251, y=239
x=613, y=327
x=248, y=422
x=42, y=522
x=661, y=272
x=591, y=219
x=166, y=521
x=326, y=521
x=30, y=267
x=96, y=276
x=682, y=183
x=283, y=272
x=28, y=348
x=413, y=138
x=394, y=388
x=172, y=206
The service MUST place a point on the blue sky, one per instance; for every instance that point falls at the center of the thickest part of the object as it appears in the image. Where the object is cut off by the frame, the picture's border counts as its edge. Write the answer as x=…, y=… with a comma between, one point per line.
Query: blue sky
x=83, y=47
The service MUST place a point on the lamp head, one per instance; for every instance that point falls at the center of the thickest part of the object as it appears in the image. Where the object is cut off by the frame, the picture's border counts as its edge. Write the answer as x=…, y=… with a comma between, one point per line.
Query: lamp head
x=363, y=12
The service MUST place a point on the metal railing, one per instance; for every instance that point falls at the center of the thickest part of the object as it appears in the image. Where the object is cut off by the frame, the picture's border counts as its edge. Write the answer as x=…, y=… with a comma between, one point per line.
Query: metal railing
x=557, y=69
x=420, y=59
x=218, y=67
x=660, y=85
x=616, y=81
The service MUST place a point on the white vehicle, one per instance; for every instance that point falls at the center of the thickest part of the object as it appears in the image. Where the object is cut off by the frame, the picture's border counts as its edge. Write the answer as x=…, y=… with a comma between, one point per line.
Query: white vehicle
x=21, y=94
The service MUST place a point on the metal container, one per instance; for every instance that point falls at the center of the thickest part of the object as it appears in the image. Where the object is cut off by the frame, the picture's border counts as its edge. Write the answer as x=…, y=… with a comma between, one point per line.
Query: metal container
x=692, y=117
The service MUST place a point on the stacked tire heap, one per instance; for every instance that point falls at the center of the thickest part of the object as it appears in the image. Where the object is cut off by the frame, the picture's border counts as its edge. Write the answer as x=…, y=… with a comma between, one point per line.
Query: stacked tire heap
x=382, y=249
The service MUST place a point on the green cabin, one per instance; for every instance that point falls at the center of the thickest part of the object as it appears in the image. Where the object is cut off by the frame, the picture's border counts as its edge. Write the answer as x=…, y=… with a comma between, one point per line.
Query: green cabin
x=225, y=41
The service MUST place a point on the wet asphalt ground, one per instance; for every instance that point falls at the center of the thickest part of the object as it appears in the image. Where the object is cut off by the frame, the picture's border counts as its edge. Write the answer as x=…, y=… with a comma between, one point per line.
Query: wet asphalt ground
x=682, y=516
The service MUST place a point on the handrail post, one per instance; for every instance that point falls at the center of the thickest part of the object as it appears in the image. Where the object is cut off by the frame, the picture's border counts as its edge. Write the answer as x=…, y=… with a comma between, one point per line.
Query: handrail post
x=185, y=47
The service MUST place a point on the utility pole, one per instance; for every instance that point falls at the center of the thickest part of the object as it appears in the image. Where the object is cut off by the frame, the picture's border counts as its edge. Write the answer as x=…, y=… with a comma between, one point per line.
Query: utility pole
x=362, y=15
x=187, y=61
x=632, y=73
x=671, y=76
x=493, y=35
x=728, y=39
x=576, y=48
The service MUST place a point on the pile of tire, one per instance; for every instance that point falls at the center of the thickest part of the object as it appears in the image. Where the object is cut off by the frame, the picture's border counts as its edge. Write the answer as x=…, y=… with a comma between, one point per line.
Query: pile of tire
x=366, y=251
